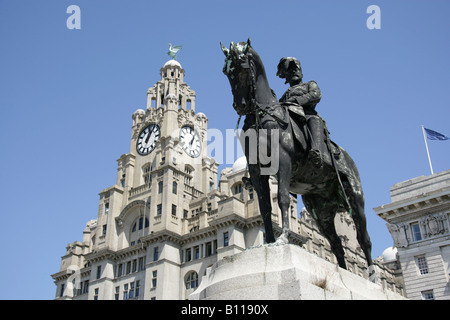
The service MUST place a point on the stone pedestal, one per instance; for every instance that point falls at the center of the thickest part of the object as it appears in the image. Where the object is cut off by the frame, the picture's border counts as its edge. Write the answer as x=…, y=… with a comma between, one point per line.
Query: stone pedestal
x=284, y=272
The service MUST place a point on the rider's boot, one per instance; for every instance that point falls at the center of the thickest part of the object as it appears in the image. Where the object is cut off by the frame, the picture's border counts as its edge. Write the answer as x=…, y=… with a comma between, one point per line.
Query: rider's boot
x=315, y=127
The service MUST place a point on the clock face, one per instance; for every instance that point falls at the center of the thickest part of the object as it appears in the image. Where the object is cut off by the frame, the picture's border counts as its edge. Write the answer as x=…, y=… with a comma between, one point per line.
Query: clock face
x=147, y=139
x=190, y=141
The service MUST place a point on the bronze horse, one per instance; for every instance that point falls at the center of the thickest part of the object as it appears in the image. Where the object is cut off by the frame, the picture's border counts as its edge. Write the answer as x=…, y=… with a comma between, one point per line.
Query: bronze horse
x=334, y=186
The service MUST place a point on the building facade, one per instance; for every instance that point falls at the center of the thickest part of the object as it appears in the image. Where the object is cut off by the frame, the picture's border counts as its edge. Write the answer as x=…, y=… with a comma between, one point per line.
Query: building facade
x=169, y=216
x=419, y=221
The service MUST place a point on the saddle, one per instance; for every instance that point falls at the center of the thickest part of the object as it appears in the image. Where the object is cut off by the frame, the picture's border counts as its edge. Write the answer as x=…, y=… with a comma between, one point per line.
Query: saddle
x=296, y=117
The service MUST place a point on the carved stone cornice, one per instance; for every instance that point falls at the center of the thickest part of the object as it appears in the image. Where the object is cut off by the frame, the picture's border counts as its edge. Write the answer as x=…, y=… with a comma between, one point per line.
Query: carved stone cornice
x=99, y=255
x=415, y=207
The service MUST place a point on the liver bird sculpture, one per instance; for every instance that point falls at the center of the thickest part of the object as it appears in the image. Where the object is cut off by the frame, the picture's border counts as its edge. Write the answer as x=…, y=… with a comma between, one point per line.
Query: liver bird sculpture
x=173, y=51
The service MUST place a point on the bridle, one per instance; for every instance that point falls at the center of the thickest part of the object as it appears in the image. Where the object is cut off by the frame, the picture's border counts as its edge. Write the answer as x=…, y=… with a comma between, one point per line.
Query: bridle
x=246, y=63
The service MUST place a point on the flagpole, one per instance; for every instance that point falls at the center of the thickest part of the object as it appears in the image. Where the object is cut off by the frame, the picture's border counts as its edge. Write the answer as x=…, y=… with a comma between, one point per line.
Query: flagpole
x=428, y=152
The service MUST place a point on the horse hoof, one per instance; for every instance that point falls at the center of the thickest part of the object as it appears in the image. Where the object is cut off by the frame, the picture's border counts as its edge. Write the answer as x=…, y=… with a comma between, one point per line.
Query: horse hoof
x=373, y=277
x=283, y=239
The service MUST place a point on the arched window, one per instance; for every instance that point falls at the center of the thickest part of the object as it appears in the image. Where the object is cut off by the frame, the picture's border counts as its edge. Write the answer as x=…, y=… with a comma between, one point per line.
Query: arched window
x=237, y=188
x=191, y=280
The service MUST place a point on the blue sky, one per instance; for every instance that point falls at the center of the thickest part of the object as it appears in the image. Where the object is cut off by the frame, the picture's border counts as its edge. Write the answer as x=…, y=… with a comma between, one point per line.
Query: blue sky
x=67, y=96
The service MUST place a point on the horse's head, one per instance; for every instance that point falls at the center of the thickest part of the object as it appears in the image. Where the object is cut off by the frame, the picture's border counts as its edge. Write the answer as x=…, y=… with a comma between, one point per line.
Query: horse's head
x=238, y=69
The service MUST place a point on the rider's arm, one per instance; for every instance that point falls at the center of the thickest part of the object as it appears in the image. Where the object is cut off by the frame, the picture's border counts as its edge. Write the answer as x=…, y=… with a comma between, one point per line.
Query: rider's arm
x=313, y=95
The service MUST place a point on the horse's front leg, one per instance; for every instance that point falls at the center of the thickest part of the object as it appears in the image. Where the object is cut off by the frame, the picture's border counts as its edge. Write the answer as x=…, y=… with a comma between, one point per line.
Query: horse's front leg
x=261, y=185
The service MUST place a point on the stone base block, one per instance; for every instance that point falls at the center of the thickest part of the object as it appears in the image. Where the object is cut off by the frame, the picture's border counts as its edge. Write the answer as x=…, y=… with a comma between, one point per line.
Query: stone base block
x=284, y=272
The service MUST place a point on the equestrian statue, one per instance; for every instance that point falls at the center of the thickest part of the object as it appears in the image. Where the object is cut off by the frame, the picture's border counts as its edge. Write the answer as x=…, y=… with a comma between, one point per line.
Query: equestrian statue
x=310, y=164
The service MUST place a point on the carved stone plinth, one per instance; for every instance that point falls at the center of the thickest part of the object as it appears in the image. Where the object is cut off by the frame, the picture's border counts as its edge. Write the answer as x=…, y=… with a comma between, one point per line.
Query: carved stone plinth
x=283, y=272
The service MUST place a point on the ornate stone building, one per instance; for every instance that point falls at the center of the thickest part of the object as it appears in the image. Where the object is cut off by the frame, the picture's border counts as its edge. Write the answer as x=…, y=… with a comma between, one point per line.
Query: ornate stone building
x=168, y=218
x=419, y=221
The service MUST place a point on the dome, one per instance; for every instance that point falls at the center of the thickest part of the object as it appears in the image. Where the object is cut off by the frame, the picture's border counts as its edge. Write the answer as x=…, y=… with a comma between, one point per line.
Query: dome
x=239, y=164
x=390, y=254
x=172, y=63
x=139, y=111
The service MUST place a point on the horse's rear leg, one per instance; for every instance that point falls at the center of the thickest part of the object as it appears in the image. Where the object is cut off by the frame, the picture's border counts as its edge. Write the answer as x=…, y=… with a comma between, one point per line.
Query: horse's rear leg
x=359, y=217
x=324, y=216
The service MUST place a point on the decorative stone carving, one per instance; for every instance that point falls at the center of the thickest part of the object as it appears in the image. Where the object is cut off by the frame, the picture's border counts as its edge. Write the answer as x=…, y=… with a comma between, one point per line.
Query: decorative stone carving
x=433, y=225
x=398, y=233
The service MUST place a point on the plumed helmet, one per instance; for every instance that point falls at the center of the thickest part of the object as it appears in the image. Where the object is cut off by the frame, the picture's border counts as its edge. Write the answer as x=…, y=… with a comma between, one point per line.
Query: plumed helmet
x=284, y=64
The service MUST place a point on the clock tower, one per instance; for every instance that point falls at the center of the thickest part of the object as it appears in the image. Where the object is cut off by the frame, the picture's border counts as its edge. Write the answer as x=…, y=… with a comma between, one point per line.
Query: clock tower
x=167, y=166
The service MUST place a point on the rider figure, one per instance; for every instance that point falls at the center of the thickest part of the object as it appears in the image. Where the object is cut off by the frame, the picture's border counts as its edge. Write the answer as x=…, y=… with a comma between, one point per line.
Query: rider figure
x=307, y=95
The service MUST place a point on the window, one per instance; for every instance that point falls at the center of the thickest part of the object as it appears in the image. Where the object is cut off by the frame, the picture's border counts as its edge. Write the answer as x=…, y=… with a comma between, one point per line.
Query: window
x=415, y=228
x=61, y=293
x=174, y=187
x=116, y=295
x=96, y=294
x=428, y=295
x=237, y=188
x=122, y=181
x=160, y=187
x=208, y=249
x=138, y=287
x=159, y=209
x=106, y=208
x=250, y=193
x=141, y=264
x=128, y=267
x=86, y=287
x=125, y=291
x=188, y=255
x=225, y=239
x=140, y=223
x=131, y=294
x=104, y=230
x=119, y=270
x=196, y=253
x=174, y=210
x=154, y=278
x=155, y=253
x=185, y=214
x=192, y=280
x=134, y=265
x=422, y=265
x=99, y=272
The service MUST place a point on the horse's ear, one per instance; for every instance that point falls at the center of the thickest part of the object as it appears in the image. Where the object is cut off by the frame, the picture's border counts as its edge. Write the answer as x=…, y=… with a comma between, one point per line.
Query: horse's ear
x=248, y=45
x=224, y=50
